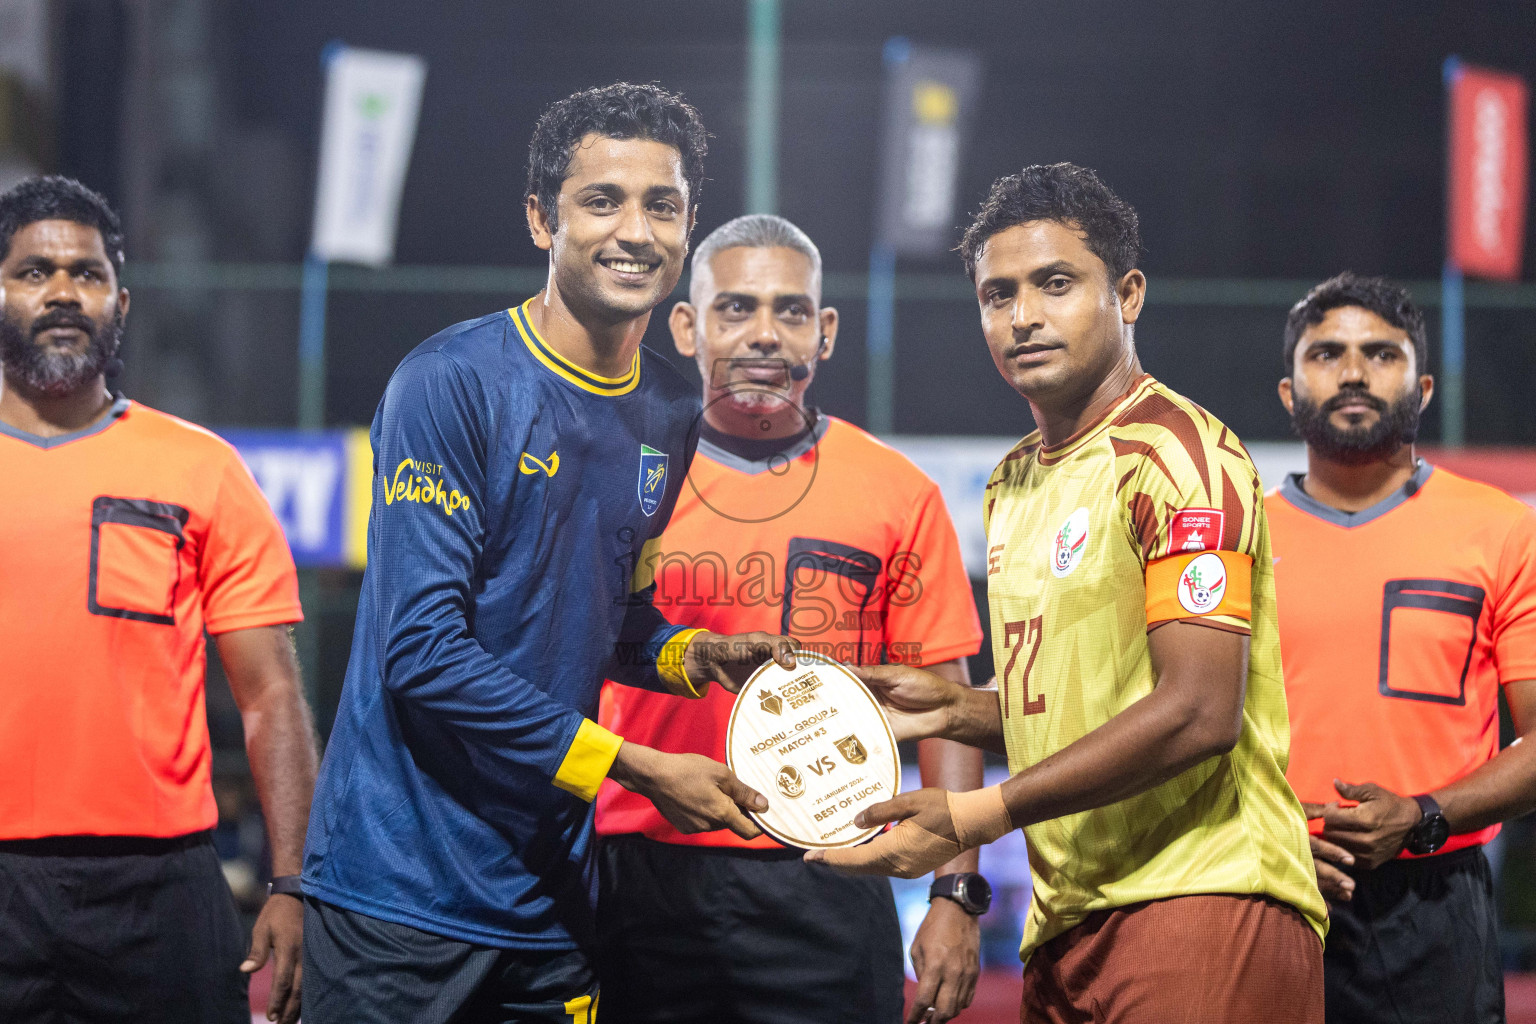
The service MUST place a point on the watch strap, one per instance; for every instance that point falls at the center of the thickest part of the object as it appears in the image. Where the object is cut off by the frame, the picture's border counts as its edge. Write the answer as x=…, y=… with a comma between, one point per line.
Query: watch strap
x=286, y=885
x=1428, y=807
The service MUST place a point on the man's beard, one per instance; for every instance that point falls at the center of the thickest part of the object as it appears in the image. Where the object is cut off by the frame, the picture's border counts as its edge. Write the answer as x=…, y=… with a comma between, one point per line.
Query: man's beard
x=51, y=370
x=1396, y=424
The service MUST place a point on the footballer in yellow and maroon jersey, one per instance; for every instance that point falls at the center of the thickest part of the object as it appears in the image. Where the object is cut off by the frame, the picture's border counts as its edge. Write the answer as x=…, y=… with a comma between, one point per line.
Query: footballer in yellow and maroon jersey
x=863, y=566
x=1150, y=515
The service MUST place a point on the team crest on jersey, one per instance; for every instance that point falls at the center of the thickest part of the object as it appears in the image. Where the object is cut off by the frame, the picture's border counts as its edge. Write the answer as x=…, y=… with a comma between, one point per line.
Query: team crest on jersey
x=1203, y=584
x=653, y=479
x=1071, y=542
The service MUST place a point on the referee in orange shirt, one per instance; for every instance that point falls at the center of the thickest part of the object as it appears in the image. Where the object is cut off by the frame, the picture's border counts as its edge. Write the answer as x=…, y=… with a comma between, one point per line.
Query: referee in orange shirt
x=124, y=534
x=1407, y=601
x=793, y=522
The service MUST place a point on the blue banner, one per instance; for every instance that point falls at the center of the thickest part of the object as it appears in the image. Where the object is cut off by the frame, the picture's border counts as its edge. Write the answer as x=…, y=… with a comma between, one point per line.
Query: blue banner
x=318, y=485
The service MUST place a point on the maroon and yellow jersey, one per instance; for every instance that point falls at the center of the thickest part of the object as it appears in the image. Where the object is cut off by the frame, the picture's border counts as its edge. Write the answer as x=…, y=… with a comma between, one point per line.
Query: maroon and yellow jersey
x=1152, y=514
x=126, y=541
x=1398, y=623
x=839, y=541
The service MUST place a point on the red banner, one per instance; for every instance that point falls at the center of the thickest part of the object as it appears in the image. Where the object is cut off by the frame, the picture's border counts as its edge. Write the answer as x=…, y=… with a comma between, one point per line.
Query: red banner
x=1487, y=172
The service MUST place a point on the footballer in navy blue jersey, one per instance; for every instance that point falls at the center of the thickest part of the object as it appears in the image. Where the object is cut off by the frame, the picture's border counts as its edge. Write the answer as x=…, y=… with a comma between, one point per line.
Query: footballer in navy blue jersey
x=522, y=462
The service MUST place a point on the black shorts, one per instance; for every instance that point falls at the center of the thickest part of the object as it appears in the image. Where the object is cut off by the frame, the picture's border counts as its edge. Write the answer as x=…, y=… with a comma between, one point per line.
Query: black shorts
x=1418, y=942
x=107, y=928
x=689, y=933
x=361, y=970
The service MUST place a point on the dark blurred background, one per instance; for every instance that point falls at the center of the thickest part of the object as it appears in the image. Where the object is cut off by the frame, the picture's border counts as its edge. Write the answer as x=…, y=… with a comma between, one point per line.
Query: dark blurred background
x=1266, y=146
x=1271, y=141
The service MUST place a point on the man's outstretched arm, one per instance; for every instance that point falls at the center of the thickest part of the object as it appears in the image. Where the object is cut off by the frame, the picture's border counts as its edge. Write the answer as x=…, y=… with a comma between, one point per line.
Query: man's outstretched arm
x=1194, y=713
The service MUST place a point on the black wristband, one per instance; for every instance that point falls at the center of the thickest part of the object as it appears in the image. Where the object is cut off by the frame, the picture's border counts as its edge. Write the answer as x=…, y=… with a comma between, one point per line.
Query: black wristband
x=285, y=885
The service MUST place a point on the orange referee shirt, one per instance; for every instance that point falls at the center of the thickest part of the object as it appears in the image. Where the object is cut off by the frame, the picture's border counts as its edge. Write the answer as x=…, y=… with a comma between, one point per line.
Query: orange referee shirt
x=119, y=545
x=838, y=541
x=1397, y=626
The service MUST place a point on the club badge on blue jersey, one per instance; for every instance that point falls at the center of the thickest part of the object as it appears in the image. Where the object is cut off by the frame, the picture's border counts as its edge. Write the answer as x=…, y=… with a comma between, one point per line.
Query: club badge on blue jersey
x=653, y=479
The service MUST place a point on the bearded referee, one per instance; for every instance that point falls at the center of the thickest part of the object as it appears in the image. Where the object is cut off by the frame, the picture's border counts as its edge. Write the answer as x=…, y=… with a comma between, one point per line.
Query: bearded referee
x=1409, y=604
x=524, y=463
x=126, y=536
x=1139, y=695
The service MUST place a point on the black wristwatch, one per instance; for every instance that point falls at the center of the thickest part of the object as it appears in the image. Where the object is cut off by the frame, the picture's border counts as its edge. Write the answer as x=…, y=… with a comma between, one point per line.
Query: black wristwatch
x=970, y=890
x=285, y=885
x=1432, y=830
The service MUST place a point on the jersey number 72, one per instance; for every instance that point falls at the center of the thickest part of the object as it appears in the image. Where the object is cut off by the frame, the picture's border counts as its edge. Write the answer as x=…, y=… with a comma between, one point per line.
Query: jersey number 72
x=1031, y=632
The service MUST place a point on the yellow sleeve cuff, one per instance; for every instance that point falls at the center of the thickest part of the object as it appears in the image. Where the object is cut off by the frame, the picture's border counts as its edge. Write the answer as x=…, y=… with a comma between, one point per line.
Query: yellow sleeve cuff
x=669, y=665
x=587, y=761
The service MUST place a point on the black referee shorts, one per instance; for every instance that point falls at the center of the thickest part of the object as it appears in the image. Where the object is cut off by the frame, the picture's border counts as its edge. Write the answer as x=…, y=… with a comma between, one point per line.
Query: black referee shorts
x=1418, y=942
x=696, y=934
x=118, y=929
x=361, y=970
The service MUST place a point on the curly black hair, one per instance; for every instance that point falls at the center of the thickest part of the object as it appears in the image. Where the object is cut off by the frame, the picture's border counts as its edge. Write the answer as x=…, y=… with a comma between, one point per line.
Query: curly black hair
x=55, y=197
x=1386, y=299
x=1065, y=193
x=619, y=111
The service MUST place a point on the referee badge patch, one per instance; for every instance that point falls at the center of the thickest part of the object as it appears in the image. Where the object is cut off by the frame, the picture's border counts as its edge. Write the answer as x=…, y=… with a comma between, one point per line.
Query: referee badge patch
x=653, y=479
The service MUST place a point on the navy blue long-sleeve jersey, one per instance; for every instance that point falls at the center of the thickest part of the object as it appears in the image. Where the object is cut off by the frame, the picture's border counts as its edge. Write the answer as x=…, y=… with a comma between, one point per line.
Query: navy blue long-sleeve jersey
x=512, y=495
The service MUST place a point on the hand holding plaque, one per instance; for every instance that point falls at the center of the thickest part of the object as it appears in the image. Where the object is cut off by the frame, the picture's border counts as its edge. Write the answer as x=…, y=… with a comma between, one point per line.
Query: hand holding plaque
x=731, y=659
x=916, y=702
x=817, y=742
x=933, y=826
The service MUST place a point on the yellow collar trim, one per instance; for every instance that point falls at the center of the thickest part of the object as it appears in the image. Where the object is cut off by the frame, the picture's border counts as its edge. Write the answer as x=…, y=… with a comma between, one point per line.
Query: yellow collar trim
x=563, y=367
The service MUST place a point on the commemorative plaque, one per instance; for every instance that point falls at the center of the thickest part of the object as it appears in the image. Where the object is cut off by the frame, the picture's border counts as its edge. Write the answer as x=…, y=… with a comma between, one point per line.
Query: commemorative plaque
x=817, y=744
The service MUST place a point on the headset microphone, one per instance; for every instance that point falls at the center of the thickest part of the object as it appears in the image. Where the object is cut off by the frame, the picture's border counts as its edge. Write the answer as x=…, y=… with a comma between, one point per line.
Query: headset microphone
x=800, y=371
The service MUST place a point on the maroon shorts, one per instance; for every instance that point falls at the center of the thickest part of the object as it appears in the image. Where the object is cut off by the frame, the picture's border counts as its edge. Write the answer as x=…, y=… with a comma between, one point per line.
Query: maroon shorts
x=1194, y=959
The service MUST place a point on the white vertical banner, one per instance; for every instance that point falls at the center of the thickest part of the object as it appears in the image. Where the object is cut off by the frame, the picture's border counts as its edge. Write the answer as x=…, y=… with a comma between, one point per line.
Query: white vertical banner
x=372, y=100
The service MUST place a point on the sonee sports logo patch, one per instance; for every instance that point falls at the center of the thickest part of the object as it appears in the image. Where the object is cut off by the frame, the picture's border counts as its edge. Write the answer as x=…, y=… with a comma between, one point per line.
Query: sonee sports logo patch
x=1195, y=529
x=1071, y=542
x=1202, y=584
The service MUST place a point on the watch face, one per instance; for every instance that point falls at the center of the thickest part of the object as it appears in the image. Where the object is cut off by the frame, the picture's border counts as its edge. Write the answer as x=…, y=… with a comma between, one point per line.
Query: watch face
x=975, y=893
x=1429, y=835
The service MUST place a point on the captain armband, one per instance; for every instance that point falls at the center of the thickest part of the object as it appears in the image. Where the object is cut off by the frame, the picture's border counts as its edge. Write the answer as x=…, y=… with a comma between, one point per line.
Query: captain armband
x=1200, y=584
